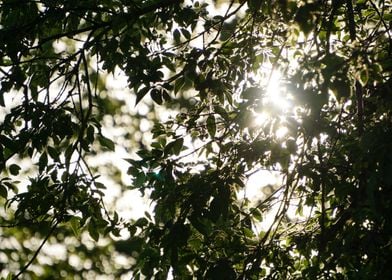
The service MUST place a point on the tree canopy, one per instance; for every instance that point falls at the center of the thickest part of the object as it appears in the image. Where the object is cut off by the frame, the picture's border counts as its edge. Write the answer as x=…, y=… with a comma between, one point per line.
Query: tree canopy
x=213, y=116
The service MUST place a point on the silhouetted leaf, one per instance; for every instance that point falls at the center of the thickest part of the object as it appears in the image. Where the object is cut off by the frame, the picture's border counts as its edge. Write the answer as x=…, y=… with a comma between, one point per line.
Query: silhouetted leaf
x=211, y=125
x=106, y=142
x=14, y=169
x=3, y=191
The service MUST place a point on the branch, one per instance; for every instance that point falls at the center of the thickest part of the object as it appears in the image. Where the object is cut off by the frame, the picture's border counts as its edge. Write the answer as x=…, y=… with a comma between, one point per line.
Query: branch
x=351, y=21
x=37, y=251
x=335, y=6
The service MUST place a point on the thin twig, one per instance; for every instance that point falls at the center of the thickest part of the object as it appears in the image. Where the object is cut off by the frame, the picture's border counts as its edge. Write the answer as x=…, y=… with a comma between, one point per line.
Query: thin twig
x=24, y=268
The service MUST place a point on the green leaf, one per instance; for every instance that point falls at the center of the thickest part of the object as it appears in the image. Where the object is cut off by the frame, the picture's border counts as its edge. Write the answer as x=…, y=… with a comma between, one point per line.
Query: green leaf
x=3, y=191
x=129, y=246
x=90, y=134
x=202, y=225
x=305, y=18
x=68, y=154
x=211, y=125
x=140, y=179
x=254, y=5
x=166, y=96
x=221, y=270
x=179, y=84
x=106, y=142
x=93, y=231
x=53, y=153
x=195, y=243
x=174, y=147
x=8, y=143
x=99, y=185
x=140, y=94
x=291, y=146
x=177, y=145
x=341, y=88
x=141, y=222
x=156, y=95
x=186, y=33
x=221, y=111
x=10, y=185
x=256, y=214
x=42, y=162
x=14, y=169
x=216, y=209
x=252, y=93
x=177, y=36
x=364, y=77
x=2, y=104
x=75, y=226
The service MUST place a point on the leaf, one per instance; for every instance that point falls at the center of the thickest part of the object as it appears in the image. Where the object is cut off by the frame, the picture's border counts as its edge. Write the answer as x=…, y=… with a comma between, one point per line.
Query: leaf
x=305, y=18
x=106, y=142
x=254, y=5
x=3, y=191
x=174, y=147
x=195, y=243
x=216, y=209
x=186, y=33
x=68, y=154
x=221, y=111
x=14, y=169
x=181, y=233
x=211, y=125
x=156, y=95
x=140, y=180
x=75, y=225
x=140, y=94
x=141, y=222
x=53, y=175
x=177, y=145
x=202, y=225
x=364, y=77
x=93, y=231
x=252, y=93
x=221, y=270
x=166, y=96
x=177, y=36
x=99, y=185
x=42, y=162
x=341, y=88
x=90, y=134
x=179, y=84
x=53, y=153
x=2, y=104
x=8, y=143
x=129, y=246
x=291, y=146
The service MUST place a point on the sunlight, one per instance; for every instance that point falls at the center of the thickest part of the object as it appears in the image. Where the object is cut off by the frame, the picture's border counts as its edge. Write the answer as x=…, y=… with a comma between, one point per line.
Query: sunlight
x=261, y=118
x=281, y=131
x=275, y=93
x=276, y=101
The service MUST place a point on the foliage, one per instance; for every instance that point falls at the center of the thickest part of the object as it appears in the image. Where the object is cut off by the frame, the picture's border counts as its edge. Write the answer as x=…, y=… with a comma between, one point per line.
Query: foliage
x=208, y=65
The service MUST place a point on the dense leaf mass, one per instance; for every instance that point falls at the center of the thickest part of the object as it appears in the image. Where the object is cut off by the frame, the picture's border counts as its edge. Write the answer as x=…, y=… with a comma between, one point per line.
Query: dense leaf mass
x=326, y=134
